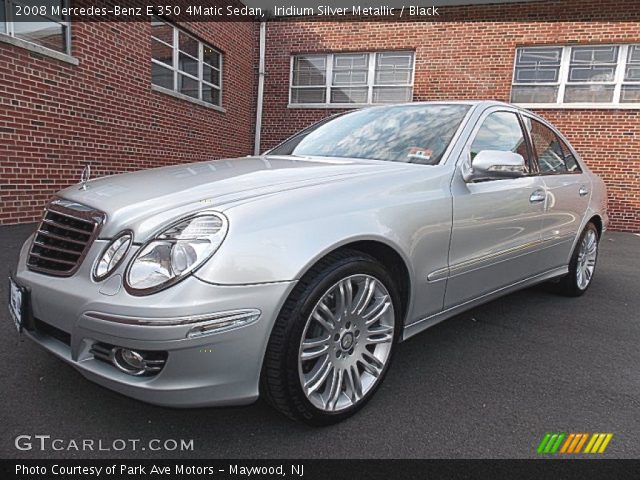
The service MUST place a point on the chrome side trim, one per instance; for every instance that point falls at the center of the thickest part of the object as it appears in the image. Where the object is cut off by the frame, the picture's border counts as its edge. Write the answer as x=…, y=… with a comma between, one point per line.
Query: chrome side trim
x=495, y=257
x=440, y=274
x=424, y=323
x=173, y=321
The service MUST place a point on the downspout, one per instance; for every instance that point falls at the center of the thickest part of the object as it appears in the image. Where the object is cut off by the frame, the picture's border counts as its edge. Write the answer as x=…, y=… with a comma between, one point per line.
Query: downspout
x=261, y=73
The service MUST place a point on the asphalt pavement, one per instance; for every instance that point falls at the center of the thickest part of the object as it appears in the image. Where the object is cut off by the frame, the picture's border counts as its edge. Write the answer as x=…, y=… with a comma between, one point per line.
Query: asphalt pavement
x=488, y=383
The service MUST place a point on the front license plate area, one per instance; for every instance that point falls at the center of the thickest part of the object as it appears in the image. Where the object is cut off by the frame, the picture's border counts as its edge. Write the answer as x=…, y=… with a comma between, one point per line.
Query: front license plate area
x=17, y=298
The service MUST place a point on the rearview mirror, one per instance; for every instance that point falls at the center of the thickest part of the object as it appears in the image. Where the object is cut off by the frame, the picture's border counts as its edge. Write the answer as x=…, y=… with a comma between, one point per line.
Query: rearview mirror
x=494, y=165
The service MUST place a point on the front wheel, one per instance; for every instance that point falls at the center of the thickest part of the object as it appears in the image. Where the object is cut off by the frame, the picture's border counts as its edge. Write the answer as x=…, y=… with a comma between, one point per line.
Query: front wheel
x=582, y=265
x=332, y=342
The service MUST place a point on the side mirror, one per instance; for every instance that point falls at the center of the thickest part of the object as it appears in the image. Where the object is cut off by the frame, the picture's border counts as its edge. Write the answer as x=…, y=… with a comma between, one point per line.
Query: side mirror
x=494, y=165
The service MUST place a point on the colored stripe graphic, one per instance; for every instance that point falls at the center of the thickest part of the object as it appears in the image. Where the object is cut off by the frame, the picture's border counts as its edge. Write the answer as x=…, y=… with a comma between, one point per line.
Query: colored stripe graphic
x=581, y=443
x=543, y=443
x=572, y=443
x=598, y=443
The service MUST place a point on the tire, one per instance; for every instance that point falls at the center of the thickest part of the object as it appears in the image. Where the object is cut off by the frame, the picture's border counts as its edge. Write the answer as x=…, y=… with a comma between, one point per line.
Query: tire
x=334, y=349
x=579, y=278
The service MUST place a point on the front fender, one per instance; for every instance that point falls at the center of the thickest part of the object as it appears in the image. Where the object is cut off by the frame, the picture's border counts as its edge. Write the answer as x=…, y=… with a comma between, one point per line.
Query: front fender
x=279, y=251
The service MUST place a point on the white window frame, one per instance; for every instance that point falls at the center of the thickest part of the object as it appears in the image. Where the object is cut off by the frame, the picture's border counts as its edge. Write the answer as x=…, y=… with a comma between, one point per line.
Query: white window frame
x=174, y=68
x=373, y=55
x=563, y=82
x=9, y=28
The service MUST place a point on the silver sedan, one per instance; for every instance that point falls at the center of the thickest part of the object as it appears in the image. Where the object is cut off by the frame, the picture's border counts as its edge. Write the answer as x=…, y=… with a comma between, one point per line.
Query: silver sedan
x=295, y=273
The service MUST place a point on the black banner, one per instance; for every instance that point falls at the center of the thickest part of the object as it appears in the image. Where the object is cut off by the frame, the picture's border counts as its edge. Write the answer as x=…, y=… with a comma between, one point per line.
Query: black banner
x=333, y=10
x=582, y=469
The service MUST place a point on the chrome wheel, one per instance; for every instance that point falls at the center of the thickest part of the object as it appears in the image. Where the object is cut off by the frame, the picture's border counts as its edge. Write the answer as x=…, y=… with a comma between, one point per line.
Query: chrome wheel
x=346, y=343
x=587, y=259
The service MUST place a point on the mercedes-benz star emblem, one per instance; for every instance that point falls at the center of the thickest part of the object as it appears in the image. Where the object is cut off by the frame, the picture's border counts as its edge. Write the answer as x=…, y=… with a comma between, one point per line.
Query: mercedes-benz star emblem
x=85, y=176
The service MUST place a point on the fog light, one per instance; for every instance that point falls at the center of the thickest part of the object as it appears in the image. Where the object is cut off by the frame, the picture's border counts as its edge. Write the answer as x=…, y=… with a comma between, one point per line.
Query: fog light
x=129, y=361
x=132, y=359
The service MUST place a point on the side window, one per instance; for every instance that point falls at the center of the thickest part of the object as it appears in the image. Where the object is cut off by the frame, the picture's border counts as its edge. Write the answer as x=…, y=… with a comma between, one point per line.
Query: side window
x=548, y=149
x=569, y=159
x=501, y=131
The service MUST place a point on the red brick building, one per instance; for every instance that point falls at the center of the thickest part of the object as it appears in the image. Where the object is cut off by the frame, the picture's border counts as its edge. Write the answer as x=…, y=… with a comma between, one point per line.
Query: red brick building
x=575, y=62
x=97, y=97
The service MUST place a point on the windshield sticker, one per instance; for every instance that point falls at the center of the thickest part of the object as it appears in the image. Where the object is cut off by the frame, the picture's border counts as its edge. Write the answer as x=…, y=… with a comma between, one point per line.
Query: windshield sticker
x=419, y=153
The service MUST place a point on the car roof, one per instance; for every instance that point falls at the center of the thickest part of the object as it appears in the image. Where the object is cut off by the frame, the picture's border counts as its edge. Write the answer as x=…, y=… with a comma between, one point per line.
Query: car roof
x=456, y=102
x=471, y=103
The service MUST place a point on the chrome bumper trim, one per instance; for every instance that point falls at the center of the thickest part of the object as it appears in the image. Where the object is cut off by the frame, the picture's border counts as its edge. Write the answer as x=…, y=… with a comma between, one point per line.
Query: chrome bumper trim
x=206, y=319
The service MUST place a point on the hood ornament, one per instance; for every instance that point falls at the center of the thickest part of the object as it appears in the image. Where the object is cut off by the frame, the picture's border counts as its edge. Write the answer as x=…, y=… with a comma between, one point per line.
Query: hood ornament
x=85, y=176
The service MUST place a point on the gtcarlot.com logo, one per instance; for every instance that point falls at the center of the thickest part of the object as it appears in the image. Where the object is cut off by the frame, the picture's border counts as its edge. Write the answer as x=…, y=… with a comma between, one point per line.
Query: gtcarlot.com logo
x=569, y=443
x=47, y=442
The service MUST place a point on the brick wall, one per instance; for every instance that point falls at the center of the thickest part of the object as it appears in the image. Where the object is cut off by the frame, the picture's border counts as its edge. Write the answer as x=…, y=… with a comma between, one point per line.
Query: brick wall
x=474, y=60
x=56, y=117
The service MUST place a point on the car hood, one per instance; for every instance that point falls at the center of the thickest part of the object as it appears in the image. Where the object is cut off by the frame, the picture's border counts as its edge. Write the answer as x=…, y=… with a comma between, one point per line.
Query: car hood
x=143, y=200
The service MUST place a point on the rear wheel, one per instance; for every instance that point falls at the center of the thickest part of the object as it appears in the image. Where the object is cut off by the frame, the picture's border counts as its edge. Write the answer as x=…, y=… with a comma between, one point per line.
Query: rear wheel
x=332, y=343
x=582, y=265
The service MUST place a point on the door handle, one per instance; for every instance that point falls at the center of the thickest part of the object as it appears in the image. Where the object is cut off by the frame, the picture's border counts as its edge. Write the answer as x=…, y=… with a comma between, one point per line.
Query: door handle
x=537, y=196
x=583, y=191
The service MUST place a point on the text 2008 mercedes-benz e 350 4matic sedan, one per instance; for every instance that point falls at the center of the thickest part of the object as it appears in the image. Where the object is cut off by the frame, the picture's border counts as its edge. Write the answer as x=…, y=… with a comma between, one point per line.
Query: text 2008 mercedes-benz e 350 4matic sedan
x=294, y=274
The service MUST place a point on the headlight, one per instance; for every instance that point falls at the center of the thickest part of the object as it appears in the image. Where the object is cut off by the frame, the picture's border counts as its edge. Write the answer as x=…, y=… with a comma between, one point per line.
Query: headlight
x=175, y=253
x=112, y=256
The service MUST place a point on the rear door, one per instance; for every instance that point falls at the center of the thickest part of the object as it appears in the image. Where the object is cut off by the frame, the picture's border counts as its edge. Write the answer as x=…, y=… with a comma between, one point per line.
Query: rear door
x=568, y=191
x=497, y=224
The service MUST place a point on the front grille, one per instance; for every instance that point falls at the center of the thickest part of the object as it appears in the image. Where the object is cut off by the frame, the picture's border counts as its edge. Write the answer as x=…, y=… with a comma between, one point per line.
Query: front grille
x=102, y=351
x=63, y=238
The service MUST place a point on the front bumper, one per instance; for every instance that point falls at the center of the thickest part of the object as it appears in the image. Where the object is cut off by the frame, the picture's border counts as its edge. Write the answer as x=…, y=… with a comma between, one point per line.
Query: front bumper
x=220, y=368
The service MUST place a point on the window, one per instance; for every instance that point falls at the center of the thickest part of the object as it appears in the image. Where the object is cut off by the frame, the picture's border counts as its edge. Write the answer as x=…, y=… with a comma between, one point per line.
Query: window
x=181, y=63
x=501, y=131
x=547, y=148
x=352, y=78
x=631, y=86
x=45, y=30
x=401, y=133
x=589, y=75
x=553, y=155
x=536, y=75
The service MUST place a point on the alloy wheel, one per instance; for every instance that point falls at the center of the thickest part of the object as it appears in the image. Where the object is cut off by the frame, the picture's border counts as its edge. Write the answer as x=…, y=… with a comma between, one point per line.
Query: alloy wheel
x=587, y=259
x=346, y=343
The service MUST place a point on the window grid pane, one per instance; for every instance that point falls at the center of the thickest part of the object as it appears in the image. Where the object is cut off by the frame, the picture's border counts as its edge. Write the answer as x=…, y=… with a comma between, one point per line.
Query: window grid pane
x=349, y=95
x=593, y=64
x=394, y=68
x=44, y=32
x=589, y=94
x=350, y=69
x=309, y=71
x=308, y=95
x=630, y=94
x=197, y=65
x=3, y=20
x=597, y=74
x=161, y=52
x=162, y=31
x=534, y=94
x=352, y=78
x=537, y=65
x=632, y=73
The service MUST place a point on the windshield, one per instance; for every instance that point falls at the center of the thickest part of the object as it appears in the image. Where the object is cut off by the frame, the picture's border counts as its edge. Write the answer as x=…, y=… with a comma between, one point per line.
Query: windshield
x=417, y=133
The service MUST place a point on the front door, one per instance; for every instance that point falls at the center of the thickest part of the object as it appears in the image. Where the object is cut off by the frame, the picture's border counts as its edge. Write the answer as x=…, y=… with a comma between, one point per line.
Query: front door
x=497, y=224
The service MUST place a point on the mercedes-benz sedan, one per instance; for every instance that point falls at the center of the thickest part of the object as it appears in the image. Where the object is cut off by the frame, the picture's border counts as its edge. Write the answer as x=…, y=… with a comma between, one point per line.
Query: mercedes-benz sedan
x=295, y=273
